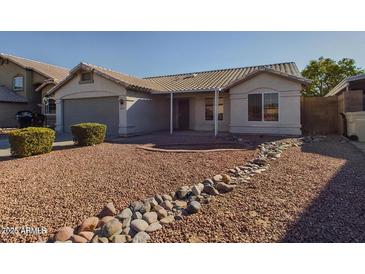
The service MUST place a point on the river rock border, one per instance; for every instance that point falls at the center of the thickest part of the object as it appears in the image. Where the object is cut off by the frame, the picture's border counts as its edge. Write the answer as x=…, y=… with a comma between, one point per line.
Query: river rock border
x=135, y=223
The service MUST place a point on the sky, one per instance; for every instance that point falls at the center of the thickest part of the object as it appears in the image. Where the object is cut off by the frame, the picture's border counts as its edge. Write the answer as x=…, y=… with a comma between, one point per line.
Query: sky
x=159, y=53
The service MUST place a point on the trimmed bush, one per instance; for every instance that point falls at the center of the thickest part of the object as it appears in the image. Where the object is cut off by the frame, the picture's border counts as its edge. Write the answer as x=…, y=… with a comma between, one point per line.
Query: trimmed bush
x=88, y=134
x=31, y=141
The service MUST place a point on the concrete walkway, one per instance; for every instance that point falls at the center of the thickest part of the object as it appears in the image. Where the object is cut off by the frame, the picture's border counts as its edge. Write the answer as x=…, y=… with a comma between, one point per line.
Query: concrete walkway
x=61, y=141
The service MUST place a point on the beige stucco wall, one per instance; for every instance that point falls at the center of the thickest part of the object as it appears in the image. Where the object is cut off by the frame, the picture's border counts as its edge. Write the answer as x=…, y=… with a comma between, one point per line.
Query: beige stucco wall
x=8, y=111
x=146, y=112
x=8, y=71
x=101, y=87
x=197, y=111
x=356, y=124
x=289, y=105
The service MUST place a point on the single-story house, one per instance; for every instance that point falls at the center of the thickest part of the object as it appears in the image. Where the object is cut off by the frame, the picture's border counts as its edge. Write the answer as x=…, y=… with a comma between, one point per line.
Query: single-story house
x=350, y=93
x=23, y=84
x=258, y=99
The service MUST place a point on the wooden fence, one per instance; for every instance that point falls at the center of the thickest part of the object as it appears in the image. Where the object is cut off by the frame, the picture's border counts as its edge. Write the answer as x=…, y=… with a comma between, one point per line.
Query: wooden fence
x=319, y=115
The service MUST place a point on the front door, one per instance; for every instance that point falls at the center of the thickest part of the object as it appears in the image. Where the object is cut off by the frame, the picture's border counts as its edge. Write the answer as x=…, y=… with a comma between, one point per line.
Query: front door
x=183, y=113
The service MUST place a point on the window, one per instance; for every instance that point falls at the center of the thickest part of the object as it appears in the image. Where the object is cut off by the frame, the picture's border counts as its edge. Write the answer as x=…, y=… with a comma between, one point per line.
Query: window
x=255, y=107
x=86, y=77
x=50, y=107
x=18, y=83
x=209, y=109
x=271, y=107
x=270, y=111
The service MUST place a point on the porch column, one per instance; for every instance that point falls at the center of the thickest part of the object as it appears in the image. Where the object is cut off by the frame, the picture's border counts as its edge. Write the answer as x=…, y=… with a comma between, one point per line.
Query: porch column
x=59, y=115
x=216, y=99
x=171, y=113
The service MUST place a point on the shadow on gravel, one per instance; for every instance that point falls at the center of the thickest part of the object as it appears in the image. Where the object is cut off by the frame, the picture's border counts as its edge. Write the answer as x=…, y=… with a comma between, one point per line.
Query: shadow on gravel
x=191, y=140
x=338, y=213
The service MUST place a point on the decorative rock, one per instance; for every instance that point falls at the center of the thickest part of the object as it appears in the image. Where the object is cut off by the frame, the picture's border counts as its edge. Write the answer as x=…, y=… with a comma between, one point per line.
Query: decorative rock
x=182, y=192
x=181, y=204
x=226, y=178
x=78, y=239
x=166, y=197
x=152, y=201
x=210, y=190
x=141, y=237
x=161, y=212
x=178, y=217
x=108, y=210
x=136, y=206
x=105, y=220
x=146, y=208
x=193, y=207
x=217, y=178
x=95, y=239
x=150, y=217
x=172, y=194
x=158, y=199
x=111, y=228
x=126, y=230
x=167, y=205
x=153, y=227
x=137, y=215
x=89, y=224
x=119, y=238
x=103, y=240
x=260, y=162
x=88, y=235
x=197, y=189
x=208, y=182
x=126, y=222
x=64, y=234
x=126, y=213
x=139, y=225
x=224, y=188
x=167, y=220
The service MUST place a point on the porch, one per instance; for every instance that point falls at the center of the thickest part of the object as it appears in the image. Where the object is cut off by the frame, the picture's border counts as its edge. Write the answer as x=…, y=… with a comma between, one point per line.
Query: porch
x=201, y=112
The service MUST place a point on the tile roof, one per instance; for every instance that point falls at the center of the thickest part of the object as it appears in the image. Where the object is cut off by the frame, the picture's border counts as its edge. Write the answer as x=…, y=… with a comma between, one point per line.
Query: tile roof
x=129, y=80
x=56, y=73
x=194, y=81
x=215, y=79
x=6, y=95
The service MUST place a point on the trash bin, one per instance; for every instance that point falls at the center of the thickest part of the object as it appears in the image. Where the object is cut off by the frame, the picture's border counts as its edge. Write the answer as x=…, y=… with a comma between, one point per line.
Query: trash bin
x=24, y=118
x=38, y=120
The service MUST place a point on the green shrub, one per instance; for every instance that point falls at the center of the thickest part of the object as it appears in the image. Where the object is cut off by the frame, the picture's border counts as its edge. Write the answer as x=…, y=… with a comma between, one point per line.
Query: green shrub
x=88, y=134
x=31, y=141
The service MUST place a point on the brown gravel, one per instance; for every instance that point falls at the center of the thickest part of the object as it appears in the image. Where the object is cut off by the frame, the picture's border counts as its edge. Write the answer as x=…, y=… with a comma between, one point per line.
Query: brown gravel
x=311, y=194
x=64, y=187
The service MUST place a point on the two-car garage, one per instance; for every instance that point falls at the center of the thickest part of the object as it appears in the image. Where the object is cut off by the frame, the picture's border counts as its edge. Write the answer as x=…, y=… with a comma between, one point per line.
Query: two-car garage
x=103, y=110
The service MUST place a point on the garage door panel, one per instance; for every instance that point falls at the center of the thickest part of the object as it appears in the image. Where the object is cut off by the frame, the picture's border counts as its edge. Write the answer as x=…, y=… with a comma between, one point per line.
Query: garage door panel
x=98, y=110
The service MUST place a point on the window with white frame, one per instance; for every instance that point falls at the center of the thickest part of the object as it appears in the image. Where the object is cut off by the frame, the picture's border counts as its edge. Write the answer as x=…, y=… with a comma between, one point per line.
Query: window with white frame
x=209, y=109
x=18, y=83
x=50, y=107
x=263, y=107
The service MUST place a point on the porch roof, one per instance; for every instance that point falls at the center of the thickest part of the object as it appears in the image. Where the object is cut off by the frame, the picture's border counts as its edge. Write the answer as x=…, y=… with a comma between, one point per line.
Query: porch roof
x=345, y=83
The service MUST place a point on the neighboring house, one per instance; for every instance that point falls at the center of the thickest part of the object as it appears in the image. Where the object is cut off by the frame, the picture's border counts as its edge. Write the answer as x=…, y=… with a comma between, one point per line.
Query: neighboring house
x=259, y=99
x=350, y=94
x=23, y=83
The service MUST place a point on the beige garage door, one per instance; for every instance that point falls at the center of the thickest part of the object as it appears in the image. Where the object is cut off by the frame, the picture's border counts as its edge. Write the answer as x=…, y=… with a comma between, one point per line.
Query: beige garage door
x=103, y=110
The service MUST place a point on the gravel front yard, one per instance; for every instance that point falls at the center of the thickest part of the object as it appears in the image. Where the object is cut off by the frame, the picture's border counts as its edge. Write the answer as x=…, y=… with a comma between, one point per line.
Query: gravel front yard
x=311, y=194
x=64, y=187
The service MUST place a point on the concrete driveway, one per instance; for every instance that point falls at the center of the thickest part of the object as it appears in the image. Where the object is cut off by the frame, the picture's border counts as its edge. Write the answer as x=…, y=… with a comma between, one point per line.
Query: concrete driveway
x=61, y=141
